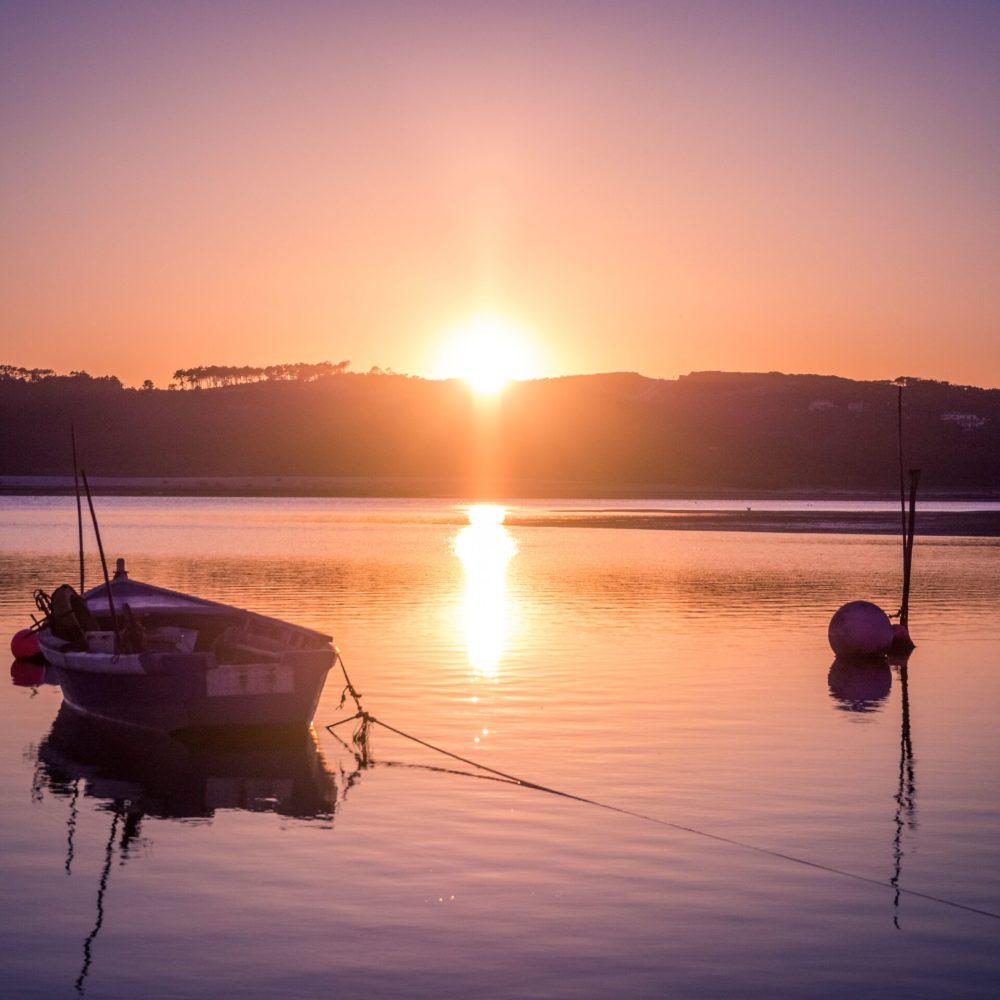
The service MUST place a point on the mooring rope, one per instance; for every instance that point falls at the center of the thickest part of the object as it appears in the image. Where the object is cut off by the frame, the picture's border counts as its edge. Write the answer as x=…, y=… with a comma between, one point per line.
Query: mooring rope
x=368, y=720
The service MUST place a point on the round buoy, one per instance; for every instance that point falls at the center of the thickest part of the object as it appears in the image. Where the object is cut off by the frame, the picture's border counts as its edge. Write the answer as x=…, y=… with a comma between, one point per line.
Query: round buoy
x=860, y=630
x=24, y=673
x=24, y=644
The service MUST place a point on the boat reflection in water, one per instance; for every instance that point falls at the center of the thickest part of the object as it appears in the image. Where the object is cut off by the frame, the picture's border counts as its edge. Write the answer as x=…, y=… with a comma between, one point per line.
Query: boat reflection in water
x=156, y=775
x=140, y=774
x=485, y=548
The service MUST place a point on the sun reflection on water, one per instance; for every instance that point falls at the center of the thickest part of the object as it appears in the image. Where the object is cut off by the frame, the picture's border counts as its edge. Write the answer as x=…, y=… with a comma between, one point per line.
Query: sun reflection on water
x=485, y=547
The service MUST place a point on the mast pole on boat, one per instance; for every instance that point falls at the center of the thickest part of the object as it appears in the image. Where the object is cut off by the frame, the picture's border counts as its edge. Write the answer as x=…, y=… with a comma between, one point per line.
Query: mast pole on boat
x=100, y=550
x=79, y=509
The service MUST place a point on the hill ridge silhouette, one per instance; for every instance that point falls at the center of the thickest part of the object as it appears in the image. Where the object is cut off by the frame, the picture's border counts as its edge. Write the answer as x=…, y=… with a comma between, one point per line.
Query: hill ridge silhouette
x=592, y=433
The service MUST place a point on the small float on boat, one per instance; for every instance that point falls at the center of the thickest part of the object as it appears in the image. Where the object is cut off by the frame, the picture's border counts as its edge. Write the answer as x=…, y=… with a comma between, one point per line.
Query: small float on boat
x=166, y=661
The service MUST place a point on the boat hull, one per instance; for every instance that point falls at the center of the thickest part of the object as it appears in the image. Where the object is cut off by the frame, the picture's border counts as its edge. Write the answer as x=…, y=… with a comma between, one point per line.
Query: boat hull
x=162, y=660
x=172, y=693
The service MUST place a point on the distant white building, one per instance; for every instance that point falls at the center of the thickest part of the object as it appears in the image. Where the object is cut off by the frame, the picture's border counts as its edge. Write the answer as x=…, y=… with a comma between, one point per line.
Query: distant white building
x=967, y=421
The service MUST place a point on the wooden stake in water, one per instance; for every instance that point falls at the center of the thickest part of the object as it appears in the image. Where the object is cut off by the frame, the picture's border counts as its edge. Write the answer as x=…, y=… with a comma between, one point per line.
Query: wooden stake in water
x=908, y=522
x=904, y=610
x=902, y=484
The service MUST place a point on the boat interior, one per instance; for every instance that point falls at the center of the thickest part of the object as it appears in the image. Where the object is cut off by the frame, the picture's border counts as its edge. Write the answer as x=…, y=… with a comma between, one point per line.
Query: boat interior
x=189, y=626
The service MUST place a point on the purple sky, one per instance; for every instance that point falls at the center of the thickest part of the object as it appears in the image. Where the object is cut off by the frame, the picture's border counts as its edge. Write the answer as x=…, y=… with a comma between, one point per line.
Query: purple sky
x=657, y=187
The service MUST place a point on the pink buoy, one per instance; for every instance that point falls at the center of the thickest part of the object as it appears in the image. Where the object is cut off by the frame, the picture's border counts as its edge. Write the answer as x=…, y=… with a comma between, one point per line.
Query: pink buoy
x=860, y=630
x=24, y=644
x=901, y=641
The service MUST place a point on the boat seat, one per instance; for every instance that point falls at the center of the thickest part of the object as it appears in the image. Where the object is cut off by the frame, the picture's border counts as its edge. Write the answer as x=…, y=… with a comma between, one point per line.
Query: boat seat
x=231, y=647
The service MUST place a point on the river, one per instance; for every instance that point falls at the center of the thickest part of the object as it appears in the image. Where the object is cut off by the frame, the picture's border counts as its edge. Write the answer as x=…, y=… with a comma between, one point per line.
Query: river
x=759, y=823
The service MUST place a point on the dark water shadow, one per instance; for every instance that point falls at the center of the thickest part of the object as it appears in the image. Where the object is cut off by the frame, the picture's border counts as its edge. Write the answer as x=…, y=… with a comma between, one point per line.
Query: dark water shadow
x=135, y=775
x=32, y=673
x=859, y=686
x=160, y=776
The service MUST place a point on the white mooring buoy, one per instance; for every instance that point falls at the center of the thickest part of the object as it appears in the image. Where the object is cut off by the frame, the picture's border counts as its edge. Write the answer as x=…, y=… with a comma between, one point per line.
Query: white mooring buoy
x=860, y=630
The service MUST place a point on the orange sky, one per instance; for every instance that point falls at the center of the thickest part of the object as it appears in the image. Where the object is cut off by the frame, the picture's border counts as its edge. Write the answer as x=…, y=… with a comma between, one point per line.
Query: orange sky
x=657, y=187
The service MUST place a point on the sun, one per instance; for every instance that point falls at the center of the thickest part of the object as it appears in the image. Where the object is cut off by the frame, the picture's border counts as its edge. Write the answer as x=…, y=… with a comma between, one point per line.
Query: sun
x=488, y=352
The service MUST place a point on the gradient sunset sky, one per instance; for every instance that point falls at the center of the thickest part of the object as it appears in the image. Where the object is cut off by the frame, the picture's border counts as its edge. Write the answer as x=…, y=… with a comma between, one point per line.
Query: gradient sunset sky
x=653, y=187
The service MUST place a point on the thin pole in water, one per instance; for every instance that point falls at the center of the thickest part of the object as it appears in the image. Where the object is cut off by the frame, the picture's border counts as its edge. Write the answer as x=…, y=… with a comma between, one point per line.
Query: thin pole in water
x=902, y=485
x=904, y=611
x=79, y=509
x=908, y=521
x=100, y=549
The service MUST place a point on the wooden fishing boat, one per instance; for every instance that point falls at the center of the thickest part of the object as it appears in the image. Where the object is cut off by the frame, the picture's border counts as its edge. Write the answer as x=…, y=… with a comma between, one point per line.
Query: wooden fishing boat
x=167, y=661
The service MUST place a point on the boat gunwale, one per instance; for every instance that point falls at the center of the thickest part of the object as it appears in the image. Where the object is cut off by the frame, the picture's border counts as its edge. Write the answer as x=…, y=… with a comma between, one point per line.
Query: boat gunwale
x=190, y=604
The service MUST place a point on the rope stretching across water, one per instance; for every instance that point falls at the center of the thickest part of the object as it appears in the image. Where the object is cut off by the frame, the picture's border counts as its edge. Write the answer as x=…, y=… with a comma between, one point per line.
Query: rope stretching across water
x=368, y=720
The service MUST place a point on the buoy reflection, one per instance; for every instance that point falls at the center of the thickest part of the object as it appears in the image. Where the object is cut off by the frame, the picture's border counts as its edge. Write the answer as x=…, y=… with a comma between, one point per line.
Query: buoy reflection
x=485, y=548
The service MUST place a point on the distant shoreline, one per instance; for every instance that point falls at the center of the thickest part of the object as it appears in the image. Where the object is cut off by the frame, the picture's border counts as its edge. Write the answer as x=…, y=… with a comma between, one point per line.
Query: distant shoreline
x=972, y=524
x=412, y=488
x=965, y=524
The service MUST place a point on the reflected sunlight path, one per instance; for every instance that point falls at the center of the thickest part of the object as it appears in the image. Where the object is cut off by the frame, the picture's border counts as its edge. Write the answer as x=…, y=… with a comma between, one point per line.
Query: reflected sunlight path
x=485, y=548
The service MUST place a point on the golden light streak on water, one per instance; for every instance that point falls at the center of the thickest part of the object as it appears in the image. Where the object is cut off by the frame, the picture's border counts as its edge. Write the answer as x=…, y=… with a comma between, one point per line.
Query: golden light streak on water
x=485, y=548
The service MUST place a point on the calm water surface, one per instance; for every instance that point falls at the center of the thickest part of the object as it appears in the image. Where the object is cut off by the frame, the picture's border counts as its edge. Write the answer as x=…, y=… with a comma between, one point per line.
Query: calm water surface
x=684, y=676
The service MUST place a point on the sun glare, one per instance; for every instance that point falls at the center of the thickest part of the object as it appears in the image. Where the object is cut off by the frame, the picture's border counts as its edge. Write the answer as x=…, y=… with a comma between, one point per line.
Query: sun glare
x=485, y=548
x=488, y=353
x=481, y=514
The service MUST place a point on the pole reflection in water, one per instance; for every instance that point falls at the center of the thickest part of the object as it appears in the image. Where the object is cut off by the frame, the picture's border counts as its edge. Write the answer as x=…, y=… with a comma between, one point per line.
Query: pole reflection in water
x=485, y=548
x=906, y=793
x=863, y=688
x=88, y=944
